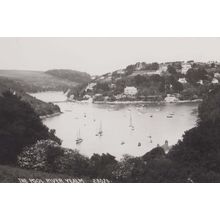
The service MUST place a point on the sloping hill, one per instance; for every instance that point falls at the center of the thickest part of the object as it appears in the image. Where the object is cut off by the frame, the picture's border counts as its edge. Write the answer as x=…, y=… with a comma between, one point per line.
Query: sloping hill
x=152, y=82
x=40, y=107
x=34, y=81
x=70, y=75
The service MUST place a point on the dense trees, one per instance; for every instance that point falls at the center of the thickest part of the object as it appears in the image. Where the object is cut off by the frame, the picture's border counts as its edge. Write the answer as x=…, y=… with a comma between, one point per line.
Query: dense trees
x=199, y=151
x=193, y=75
x=19, y=126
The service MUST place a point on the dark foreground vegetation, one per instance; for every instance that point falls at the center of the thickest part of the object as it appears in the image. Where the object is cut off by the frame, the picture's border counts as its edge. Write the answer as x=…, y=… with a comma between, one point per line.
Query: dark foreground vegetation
x=26, y=143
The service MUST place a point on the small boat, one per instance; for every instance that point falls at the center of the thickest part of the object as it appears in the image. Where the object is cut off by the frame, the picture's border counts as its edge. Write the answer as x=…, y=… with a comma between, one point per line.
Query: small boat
x=131, y=123
x=169, y=116
x=78, y=138
x=139, y=144
x=100, y=132
x=151, y=116
x=122, y=143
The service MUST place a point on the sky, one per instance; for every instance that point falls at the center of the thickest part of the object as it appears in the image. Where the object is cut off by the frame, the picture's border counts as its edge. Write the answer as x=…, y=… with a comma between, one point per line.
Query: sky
x=101, y=55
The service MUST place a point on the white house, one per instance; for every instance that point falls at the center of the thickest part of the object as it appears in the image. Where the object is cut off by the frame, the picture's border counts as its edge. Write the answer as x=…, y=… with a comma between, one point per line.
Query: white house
x=171, y=98
x=214, y=81
x=217, y=75
x=130, y=90
x=86, y=96
x=71, y=98
x=200, y=82
x=182, y=80
x=120, y=96
x=139, y=66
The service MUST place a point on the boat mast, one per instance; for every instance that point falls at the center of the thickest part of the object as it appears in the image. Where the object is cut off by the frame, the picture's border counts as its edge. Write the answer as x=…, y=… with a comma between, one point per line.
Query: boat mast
x=79, y=135
x=130, y=125
x=100, y=128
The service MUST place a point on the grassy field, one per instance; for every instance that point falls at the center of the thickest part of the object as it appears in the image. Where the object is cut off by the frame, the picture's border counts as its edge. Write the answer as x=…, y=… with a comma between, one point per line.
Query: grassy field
x=10, y=174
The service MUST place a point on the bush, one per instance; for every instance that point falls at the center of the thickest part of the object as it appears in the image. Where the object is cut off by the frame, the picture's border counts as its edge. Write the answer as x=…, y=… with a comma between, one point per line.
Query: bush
x=41, y=156
x=72, y=163
x=102, y=166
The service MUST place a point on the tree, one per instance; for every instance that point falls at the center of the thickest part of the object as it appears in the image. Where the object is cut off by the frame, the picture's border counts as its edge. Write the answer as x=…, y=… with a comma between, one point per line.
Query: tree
x=199, y=150
x=20, y=126
x=102, y=166
x=171, y=70
x=139, y=79
x=194, y=75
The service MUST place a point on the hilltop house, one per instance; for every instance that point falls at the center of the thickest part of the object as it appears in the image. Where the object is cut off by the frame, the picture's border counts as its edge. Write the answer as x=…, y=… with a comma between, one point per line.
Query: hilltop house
x=185, y=67
x=139, y=66
x=130, y=91
x=121, y=71
x=162, y=68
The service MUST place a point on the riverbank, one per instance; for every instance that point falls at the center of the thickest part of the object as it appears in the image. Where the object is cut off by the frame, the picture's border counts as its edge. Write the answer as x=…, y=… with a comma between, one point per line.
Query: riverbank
x=145, y=102
x=50, y=115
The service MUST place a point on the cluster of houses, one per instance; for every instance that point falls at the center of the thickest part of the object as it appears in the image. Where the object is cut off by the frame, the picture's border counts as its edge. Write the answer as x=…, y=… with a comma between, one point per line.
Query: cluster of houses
x=140, y=69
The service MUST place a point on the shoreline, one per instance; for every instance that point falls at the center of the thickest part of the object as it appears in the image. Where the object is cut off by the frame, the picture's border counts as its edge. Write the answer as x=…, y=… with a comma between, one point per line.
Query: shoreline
x=146, y=102
x=50, y=115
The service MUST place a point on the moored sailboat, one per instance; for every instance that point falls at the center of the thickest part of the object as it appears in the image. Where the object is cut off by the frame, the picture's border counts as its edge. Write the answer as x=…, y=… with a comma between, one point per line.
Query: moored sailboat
x=100, y=129
x=78, y=138
x=130, y=123
x=100, y=132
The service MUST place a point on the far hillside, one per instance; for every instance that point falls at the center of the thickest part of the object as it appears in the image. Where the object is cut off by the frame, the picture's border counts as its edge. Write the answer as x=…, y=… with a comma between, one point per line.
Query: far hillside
x=71, y=75
x=40, y=107
x=54, y=80
x=170, y=82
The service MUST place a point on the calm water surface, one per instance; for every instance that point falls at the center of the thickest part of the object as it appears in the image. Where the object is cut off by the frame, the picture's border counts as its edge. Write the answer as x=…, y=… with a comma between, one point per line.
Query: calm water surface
x=148, y=120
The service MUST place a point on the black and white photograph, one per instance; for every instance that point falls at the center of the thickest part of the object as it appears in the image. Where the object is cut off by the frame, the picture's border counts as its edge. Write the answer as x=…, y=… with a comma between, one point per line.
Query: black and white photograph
x=109, y=110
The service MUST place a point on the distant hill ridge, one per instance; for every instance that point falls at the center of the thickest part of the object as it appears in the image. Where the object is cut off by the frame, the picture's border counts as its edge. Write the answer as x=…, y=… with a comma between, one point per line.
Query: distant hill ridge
x=57, y=79
x=71, y=75
x=40, y=107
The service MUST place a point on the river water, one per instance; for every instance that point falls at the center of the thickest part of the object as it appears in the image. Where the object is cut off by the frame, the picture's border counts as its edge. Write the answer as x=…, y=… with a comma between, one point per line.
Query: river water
x=151, y=126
